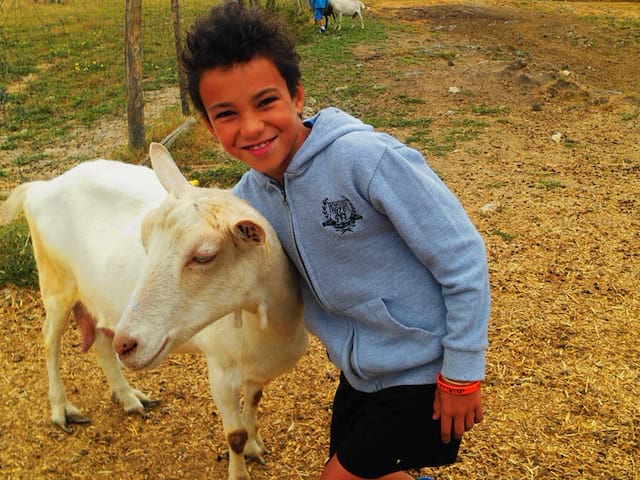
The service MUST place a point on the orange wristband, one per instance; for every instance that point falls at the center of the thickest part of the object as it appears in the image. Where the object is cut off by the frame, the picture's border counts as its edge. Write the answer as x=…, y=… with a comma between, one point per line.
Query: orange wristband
x=457, y=389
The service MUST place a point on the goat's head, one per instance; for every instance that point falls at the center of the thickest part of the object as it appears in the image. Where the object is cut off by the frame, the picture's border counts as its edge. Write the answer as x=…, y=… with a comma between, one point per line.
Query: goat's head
x=204, y=249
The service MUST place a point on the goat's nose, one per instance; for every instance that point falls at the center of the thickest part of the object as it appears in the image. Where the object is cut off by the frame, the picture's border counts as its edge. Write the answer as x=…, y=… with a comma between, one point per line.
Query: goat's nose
x=124, y=345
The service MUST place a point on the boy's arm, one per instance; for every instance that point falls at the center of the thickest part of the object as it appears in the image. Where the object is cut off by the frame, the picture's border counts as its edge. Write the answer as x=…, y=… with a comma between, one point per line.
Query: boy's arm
x=435, y=226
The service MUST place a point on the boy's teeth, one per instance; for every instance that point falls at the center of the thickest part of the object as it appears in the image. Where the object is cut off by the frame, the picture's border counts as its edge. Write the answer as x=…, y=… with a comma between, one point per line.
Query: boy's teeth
x=260, y=145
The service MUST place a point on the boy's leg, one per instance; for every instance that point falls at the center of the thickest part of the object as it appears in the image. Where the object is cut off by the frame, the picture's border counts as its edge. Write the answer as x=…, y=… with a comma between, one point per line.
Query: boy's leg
x=333, y=470
x=384, y=433
x=317, y=17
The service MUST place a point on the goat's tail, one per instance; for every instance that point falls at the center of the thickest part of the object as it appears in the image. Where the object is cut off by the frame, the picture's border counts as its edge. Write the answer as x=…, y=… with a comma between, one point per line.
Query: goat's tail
x=12, y=206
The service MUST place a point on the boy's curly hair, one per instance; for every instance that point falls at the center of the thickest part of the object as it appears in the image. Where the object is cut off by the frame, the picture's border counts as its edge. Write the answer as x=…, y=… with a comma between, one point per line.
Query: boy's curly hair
x=230, y=34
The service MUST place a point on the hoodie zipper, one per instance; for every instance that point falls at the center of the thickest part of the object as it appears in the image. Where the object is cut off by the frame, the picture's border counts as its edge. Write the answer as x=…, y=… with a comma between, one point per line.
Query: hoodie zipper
x=284, y=198
x=285, y=202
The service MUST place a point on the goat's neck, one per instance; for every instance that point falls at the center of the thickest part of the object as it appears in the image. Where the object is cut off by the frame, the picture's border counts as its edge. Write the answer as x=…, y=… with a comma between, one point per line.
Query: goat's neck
x=278, y=296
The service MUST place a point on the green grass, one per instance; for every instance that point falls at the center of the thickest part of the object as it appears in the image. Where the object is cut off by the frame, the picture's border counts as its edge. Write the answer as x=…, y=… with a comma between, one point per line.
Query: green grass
x=550, y=184
x=486, y=110
x=504, y=235
x=224, y=174
x=17, y=265
x=75, y=53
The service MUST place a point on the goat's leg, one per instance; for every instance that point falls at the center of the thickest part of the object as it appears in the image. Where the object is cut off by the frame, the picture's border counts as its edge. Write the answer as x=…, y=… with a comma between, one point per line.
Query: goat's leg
x=62, y=411
x=225, y=389
x=361, y=20
x=339, y=21
x=255, y=447
x=132, y=400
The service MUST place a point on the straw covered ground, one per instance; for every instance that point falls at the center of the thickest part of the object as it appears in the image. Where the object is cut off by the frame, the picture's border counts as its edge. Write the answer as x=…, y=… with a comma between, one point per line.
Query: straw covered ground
x=545, y=120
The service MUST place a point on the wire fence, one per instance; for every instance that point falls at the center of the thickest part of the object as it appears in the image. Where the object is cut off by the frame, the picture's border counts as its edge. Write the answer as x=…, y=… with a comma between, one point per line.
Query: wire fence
x=62, y=62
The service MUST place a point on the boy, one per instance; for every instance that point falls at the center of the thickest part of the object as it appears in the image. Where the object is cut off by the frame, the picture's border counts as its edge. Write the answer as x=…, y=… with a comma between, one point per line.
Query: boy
x=395, y=279
x=319, y=7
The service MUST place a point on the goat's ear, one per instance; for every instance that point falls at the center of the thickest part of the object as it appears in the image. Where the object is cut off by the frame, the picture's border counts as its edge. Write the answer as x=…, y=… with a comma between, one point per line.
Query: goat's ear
x=248, y=233
x=167, y=171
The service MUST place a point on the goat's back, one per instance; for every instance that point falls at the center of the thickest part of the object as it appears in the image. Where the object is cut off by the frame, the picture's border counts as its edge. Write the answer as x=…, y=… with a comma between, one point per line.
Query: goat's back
x=346, y=7
x=85, y=225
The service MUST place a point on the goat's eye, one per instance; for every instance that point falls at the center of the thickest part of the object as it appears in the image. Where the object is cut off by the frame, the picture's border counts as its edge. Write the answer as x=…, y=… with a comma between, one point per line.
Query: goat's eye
x=203, y=259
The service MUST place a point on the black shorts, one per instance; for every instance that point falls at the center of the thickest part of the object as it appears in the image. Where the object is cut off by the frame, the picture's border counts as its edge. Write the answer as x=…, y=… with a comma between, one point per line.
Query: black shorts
x=375, y=434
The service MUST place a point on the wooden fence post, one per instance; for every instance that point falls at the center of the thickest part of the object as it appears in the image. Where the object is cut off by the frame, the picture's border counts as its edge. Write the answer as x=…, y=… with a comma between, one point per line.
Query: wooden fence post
x=133, y=64
x=182, y=78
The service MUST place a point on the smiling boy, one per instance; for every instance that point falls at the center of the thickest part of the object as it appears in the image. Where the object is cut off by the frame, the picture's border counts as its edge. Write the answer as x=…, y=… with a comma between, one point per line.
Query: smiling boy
x=393, y=273
x=252, y=114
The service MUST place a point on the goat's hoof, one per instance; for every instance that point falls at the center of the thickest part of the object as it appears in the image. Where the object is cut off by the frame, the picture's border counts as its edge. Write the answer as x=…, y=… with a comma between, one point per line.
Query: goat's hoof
x=69, y=419
x=64, y=427
x=258, y=458
x=137, y=411
x=150, y=403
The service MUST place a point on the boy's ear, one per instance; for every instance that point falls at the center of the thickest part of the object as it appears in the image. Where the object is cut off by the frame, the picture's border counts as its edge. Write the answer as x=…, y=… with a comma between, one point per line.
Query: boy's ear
x=298, y=99
x=212, y=130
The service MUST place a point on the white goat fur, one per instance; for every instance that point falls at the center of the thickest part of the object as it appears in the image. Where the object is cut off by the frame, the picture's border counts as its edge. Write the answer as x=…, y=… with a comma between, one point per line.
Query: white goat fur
x=347, y=7
x=211, y=278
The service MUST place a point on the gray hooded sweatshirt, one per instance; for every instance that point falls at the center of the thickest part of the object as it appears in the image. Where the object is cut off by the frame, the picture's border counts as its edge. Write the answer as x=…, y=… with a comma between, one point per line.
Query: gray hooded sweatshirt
x=395, y=280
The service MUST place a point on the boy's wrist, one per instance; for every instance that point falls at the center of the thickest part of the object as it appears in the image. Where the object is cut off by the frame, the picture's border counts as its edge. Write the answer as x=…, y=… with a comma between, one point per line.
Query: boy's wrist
x=457, y=382
x=457, y=387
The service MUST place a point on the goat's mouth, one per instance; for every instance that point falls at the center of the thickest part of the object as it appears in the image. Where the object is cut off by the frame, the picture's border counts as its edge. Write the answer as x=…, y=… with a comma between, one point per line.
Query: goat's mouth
x=153, y=361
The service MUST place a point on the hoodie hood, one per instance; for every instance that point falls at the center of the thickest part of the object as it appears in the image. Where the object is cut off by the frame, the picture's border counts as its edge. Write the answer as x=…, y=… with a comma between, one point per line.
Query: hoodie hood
x=326, y=127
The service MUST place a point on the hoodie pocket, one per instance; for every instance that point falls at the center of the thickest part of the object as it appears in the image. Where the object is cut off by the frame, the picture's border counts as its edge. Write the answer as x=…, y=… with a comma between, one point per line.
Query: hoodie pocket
x=383, y=345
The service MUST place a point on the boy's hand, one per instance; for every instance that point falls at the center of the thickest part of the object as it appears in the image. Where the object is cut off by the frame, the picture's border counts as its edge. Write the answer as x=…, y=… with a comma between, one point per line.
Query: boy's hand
x=457, y=413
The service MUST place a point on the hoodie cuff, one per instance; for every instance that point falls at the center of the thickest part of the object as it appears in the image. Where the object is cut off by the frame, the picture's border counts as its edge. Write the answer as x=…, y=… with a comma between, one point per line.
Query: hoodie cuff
x=463, y=365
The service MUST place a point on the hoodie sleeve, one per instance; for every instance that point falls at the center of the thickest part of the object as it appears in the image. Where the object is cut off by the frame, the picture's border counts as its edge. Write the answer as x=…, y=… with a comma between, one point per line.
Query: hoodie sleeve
x=436, y=228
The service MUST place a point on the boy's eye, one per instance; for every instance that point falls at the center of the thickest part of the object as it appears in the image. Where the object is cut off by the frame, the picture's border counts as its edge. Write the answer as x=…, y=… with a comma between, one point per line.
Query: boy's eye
x=266, y=101
x=223, y=114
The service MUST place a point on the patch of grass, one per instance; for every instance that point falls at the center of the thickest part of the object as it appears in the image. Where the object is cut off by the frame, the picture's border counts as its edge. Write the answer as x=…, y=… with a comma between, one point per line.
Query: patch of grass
x=411, y=100
x=571, y=143
x=498, y=53
x=9, y=144
x=472, y=124
x=17, y=264
x=399, y=121
x=331, y=72
x=550, y=184
x=504, y=235
x=465, y=130
x=417, y=138
x=225, y=173
x=27, y=159
x=446, y=55
x=486, y=110
x=627, y=117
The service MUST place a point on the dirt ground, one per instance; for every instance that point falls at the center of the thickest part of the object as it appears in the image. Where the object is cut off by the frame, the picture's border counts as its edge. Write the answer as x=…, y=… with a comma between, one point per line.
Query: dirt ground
x=551, y=182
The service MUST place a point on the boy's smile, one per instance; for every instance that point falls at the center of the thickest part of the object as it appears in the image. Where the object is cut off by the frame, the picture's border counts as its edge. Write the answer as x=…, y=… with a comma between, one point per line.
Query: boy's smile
x=253, y=115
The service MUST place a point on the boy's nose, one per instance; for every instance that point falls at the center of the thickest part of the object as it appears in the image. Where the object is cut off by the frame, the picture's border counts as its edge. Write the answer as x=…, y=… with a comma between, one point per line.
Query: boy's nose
x=251, y=125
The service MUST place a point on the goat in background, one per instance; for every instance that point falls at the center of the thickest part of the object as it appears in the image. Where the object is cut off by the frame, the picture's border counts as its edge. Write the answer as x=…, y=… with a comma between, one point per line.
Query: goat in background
x=351, y=8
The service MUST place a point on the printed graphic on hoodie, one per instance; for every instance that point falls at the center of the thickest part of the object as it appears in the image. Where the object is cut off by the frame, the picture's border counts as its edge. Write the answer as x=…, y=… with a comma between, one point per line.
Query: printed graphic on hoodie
x=340, y=214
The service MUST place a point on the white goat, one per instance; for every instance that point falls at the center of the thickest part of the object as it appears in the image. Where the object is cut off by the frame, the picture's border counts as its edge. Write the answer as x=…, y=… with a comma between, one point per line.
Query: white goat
x=211, y=277
x=347, y=7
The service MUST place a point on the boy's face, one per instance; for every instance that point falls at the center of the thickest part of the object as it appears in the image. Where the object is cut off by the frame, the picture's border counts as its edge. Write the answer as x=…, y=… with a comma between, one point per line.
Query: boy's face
x=252, y=114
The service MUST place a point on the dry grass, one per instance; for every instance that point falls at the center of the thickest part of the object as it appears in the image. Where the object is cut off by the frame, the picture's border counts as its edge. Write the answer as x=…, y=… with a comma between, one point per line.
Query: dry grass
x=563, y=383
